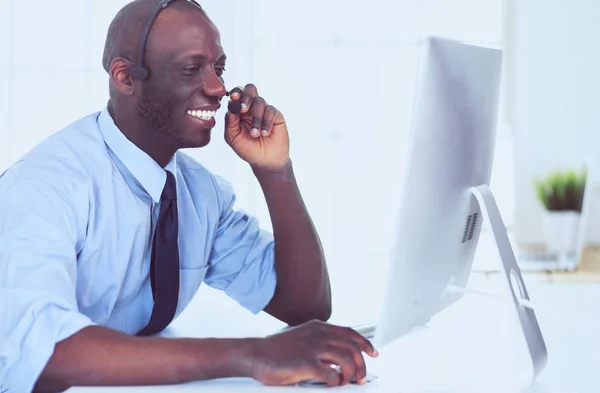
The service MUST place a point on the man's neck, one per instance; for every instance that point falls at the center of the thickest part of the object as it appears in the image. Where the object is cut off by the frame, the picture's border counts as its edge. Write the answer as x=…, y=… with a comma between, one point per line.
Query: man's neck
x=139, y=135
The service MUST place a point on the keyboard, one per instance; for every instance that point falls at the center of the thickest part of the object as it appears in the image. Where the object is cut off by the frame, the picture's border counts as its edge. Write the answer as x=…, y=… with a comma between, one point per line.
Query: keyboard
x=366, y=330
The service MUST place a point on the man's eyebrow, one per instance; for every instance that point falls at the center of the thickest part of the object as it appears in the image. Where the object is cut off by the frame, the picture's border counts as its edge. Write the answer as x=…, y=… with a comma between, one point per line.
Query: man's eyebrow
x=202, y=58
x=198, y=56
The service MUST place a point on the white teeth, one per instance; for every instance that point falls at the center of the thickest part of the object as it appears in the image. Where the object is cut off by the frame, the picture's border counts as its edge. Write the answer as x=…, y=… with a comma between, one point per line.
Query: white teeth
x=204, y=115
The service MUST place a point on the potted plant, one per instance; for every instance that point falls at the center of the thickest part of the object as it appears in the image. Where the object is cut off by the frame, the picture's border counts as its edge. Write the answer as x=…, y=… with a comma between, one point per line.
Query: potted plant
x=561, y=194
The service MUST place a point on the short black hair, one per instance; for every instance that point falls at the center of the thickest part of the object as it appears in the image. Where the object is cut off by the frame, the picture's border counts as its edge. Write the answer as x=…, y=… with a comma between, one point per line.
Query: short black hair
x=126, y=29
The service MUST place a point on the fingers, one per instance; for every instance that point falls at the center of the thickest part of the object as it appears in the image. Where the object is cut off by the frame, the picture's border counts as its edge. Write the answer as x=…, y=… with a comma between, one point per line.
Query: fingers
x=344, y=359
x=236, y=93
x=232, y=121
x=347, y=366
x=263, y=118
x=263, y=115
x=248, y=97
x=236, y=105
x=268, y=120
x=365, y=345
x=354, y=350
x=258, y=110
x=232, y=118
x=328, y=375
x=350, y=334
x=344, y=346
x=245, y=96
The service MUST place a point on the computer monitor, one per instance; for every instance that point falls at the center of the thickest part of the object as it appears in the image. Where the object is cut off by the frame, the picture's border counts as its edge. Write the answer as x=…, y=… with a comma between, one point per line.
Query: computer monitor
x=445, y=195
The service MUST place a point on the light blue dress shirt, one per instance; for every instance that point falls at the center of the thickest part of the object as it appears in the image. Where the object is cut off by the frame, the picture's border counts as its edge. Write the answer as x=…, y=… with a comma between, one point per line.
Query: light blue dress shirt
x=76, y=218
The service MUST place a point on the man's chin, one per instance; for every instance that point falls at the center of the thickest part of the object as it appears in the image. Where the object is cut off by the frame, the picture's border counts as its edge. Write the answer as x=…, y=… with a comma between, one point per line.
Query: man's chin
x=198, y=139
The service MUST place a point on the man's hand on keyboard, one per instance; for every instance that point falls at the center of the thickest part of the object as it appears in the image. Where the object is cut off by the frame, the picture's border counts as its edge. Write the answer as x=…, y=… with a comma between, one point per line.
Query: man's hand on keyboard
x=308, y=352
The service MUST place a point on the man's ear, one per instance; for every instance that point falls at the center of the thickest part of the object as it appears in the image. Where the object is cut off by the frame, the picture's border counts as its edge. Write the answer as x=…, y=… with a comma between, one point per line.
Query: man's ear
x=120, y=77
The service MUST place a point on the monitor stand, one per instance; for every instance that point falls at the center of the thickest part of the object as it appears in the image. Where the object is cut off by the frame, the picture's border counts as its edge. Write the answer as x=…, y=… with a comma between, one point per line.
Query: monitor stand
x=513, y=278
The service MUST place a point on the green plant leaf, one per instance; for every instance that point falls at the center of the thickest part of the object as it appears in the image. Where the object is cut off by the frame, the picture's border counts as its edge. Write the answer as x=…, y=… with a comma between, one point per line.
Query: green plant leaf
x=561, y=190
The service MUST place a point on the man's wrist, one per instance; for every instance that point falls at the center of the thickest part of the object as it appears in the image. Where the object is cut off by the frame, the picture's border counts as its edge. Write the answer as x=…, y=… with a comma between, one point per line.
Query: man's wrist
x=221, y=358
x=284, y=172
x=246, y=357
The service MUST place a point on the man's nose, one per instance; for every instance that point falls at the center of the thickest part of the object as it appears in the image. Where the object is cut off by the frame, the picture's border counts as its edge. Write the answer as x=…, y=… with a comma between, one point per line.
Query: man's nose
x=213, y=85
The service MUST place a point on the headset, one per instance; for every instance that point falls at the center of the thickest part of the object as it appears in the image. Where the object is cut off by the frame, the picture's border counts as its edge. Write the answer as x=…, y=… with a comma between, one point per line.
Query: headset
x=139, y=71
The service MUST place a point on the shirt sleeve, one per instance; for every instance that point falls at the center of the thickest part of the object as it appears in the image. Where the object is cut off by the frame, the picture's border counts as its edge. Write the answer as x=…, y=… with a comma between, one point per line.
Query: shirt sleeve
x=242, y=258
x=38, y=272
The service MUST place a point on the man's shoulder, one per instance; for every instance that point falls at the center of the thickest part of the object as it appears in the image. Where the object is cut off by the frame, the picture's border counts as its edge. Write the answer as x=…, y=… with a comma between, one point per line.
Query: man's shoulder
x=78, y=139
x=53, y=181
x=70, y=153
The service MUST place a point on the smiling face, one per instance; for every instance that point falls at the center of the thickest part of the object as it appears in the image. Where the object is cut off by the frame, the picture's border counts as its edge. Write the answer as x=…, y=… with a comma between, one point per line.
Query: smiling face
x=185, y=84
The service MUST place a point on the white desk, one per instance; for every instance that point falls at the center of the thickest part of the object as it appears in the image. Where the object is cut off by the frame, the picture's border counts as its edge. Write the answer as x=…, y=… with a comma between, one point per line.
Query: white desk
x=459, y=352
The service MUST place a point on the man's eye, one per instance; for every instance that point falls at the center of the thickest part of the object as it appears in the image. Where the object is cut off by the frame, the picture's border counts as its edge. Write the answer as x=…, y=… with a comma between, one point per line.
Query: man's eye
x=219, y=69
x=191, y=70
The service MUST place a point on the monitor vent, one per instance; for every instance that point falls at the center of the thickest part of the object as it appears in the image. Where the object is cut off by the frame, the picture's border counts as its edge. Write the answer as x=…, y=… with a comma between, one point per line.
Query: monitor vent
x=470, y=227
x=473, y=226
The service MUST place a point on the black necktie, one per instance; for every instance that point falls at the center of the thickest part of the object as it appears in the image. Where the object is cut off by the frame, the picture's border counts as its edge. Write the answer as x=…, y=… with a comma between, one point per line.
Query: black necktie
x=164, y=262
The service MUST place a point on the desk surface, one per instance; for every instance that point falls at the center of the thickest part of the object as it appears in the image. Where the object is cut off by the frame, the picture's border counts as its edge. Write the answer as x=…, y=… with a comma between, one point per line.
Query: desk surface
x=474, y=346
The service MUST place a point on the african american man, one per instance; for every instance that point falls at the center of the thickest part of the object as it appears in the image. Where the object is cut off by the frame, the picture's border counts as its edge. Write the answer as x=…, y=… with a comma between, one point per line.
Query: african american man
x=79, y=211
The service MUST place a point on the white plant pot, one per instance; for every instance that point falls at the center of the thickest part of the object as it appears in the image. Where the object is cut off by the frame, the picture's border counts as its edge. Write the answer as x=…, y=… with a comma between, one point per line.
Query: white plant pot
x=561, y=230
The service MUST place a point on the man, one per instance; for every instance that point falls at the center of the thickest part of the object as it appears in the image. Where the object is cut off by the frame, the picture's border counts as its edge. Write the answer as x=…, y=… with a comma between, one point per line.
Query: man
x=107, y=231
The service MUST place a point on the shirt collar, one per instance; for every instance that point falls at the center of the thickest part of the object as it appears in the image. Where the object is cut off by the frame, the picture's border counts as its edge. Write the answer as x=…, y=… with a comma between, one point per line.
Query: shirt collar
x=145, y=170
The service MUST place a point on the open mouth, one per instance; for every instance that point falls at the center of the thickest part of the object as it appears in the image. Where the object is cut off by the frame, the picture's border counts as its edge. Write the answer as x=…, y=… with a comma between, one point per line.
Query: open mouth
x=201, y=114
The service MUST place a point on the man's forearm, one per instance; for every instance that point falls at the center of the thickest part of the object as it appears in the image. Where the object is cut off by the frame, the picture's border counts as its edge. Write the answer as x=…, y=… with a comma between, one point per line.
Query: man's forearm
x=98, y=356
x=303, y=288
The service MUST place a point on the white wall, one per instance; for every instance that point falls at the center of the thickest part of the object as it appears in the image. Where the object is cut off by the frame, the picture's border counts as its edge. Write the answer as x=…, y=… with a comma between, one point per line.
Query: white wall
x=557, y=102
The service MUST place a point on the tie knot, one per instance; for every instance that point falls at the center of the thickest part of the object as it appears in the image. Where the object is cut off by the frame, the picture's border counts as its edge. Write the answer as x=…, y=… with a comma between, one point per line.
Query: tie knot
x=170, y=191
